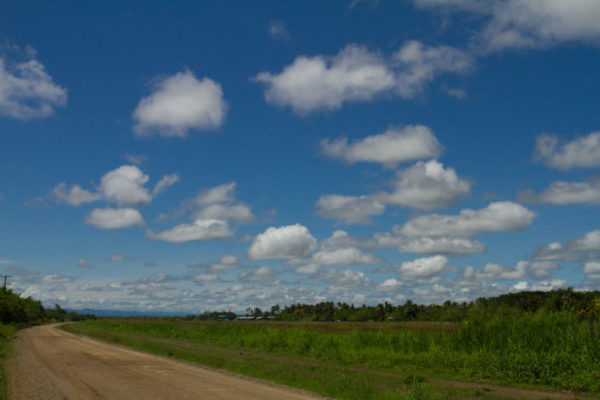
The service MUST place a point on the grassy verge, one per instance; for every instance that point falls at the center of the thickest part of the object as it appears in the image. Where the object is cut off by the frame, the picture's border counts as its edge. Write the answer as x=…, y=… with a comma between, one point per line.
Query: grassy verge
x=375, y=360
x=7, y=332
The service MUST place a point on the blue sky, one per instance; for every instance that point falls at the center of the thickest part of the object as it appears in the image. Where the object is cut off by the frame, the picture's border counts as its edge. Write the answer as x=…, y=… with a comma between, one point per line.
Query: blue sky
x=214, y=155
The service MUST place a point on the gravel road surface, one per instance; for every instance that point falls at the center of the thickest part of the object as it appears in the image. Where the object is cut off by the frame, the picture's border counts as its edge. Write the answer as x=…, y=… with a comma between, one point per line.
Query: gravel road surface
x=51, y=364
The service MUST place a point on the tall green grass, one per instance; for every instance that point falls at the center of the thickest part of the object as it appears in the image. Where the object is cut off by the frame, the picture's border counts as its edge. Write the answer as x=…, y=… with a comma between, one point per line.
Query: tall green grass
x=554, y=349
x=7, y=332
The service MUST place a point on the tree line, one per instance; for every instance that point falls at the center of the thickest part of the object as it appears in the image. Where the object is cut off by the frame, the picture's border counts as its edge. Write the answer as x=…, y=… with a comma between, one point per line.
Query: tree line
x=24, y=311
x=585, y=305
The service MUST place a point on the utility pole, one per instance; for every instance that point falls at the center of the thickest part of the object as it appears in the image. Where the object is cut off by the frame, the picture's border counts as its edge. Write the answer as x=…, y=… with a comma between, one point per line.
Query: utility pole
x=5, y=278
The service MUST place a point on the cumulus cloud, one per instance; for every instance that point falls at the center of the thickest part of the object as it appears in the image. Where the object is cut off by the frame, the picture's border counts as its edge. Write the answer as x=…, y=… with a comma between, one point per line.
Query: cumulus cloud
x=200, y=229
x=522, y=270
x=497, y=216
x=579, y=249
x=389, y=285
x=286, y=242
x=350, y=209
x=357, y=74
x=226, y=262
x=125, y=186
x=420, y=64
x=26, y=89
x=563, y=193
x=180, y=103
x=396, y=145
x=425, y=186
x=425, y=267
x=219, y=203
x=581, y=152
x=344, y=256
x=263, y=275
x=419, y=245
x=592, y=269
x=346, y=278
x=74, y=196
x=428, y=245
x=114, y=218
x=542, y=286
x=529, y=24
x=211, y=211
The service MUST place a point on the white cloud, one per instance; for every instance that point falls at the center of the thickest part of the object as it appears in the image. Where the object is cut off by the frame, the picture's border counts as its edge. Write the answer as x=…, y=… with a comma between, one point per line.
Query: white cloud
x=420, y=64
x=543, y=269
x=345, y=278
x=165, y=182
x=204, y=277
x=219, y=203
x=357, y=74
x=523, y=269
x=200, y=229
x=287, y=242
x=425, y=186
x=27, y=91
x=180, y=103
x=83, y=263
x=240, y=213
x=563, y=193
x=592, y=269
x=340, y=239
x=226, y=262
x=581, y=152
x=344, y=256
x=74, y=196
x=425, y=267
x=497, y=216
x=111, y=218
x=530, y=23
x=578, y=249
x=264, y=275
x=278, y=31
x=545, y=286
x=429, y=245
x=419, y=245
x=493, y=271
x=396, y=145
x=125, y=186
x=389, y=285
x=350, y=209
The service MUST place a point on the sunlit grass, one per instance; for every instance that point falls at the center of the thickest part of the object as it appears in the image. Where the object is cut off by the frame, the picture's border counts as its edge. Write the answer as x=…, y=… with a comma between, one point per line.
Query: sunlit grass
x=341, y=360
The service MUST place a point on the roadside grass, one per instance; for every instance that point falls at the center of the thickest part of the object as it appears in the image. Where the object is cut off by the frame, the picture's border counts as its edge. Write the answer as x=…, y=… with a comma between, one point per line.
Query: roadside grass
x=7, y=332
x=328, y=379
x=379, y=360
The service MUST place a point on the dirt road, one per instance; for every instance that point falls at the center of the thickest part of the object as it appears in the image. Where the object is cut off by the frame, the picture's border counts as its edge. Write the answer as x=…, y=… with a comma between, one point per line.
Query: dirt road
x=51, y=364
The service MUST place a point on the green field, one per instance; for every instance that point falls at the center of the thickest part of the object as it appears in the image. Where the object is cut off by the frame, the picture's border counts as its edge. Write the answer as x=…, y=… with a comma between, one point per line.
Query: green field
x=382, y=360
x=7, y=332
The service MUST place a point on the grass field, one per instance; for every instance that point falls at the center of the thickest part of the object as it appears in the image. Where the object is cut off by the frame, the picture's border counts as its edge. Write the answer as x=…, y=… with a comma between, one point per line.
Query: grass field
x=381, y=360
x=7, y=332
